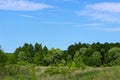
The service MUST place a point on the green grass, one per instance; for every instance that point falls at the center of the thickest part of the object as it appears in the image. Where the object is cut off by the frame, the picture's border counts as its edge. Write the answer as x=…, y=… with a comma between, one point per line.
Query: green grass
x=111, y=74
x=17, y=72
x=102, y=73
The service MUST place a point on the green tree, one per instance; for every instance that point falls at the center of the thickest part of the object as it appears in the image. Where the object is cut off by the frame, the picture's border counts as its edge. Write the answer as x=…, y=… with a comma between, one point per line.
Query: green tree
x=78, y=60
x=38, y=47
x=83, y=52
x=3, y=58
x=11, y=59
x=86, y=52
x=22, y=56
x=53, y=57
x=113, y=56
x=27, y=50
x=95, y=59
x=17, y=52
x=38, y=58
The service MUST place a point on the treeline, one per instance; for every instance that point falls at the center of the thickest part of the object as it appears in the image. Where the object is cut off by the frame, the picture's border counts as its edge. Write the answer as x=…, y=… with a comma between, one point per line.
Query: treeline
x=76, y=56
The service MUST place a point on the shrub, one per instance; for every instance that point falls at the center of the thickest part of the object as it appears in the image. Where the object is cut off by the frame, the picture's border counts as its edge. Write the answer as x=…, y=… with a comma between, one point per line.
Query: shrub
x=16, y=72
x=56, y=70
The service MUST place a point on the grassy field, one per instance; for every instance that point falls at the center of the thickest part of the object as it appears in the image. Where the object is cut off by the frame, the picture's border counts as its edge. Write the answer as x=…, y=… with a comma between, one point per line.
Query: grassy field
x=102, y=73
x=15, y=72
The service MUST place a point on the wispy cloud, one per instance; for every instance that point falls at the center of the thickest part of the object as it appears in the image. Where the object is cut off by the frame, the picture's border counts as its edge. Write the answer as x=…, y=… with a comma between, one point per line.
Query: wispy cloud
x=27, y=16
x=107, y=29
x=62, y=0
x=112, y=29
x=106, y=11
x=57, y=23
x=91, y=25
x=22, y=5
x=69, y=0
x=105, y=6
x=100, y=27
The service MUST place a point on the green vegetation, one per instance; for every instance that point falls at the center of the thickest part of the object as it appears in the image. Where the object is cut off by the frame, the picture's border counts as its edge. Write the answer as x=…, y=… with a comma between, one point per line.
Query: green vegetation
x=103, y=73
x=16, y=72
x=79, y=62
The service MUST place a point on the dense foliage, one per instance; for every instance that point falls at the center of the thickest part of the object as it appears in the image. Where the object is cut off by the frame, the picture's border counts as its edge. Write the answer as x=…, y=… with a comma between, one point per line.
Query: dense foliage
x=37, y=62
x=77, y=55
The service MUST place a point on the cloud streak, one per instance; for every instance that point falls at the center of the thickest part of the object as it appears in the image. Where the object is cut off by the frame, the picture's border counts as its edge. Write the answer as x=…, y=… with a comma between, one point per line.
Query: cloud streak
x=105, y=6
x=105, y=11
x=61, y=0
x=27, y=16
x=22, y=5
x=112, y=29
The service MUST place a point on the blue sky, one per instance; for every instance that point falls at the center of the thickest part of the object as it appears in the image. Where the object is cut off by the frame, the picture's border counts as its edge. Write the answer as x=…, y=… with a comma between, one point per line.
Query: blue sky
x=58, y=23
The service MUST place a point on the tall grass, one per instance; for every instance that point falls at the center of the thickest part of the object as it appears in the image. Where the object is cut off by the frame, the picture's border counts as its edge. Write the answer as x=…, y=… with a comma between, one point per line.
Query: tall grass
x=17, y=72
x=111, y=73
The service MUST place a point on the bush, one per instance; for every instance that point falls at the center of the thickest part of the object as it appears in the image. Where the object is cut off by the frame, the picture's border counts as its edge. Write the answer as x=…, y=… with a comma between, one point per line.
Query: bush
x=16, y=72
x=23, y=63
x=56, y=70
x=113, y=56
x=3, y=58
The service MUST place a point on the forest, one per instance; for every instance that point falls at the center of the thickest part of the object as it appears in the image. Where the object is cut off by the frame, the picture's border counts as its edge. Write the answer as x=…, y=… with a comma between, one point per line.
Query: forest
x=29, y=59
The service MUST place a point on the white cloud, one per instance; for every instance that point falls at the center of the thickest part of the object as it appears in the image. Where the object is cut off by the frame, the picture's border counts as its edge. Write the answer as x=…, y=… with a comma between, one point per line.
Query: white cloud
x=89, y=25
x=112, y=29
x=105, y=6
x=99, y=27
x=70, y=0
x=61, y=0
x=106, y=11
x=57, y=23
x=92, y=24
x=27, y=16
x=22, y=5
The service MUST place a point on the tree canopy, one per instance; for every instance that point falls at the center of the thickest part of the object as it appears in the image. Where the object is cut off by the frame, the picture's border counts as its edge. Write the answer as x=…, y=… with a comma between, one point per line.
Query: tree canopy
x=96, y=54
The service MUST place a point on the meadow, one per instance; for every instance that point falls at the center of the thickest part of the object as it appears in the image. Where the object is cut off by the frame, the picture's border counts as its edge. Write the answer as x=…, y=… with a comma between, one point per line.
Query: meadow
x=79, y=62
x=18, y=72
